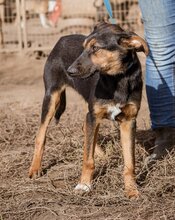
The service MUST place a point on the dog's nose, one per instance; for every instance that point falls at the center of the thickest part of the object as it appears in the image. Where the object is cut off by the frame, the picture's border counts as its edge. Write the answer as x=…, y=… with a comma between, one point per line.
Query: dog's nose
x=72, y=71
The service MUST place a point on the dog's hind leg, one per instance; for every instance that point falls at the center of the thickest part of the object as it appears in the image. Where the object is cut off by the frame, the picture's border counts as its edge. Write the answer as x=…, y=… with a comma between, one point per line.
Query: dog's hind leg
x=50, y=104
x=61, y=107
x=91, y=128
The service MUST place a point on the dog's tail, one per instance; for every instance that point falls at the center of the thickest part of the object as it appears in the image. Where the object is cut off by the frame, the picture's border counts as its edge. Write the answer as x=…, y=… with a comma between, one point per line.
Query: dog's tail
x=62, y=106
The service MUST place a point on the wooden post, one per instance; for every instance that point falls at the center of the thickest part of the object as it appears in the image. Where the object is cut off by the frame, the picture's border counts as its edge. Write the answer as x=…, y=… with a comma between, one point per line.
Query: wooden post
x=18, y=19
x=24, y=28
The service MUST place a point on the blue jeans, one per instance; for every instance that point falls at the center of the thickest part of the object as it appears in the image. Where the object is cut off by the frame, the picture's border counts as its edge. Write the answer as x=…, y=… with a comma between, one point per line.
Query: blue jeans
x=159, y=23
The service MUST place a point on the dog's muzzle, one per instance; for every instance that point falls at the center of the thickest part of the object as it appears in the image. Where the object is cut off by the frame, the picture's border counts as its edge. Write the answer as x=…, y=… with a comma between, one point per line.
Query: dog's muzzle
x=72, y=71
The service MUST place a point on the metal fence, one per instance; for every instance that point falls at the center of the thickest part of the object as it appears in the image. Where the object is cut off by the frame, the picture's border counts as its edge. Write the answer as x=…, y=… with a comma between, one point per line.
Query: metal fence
x=37, y=24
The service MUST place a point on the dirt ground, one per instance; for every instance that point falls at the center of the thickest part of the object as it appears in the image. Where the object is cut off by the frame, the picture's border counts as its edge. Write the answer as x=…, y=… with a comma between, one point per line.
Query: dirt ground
x=51, y=196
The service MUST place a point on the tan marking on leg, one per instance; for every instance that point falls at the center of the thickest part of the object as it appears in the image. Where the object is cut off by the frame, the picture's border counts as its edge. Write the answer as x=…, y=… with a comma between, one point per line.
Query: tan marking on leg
x=88, y=159
x=131, y=110
x=101, y=111
x=40, y=137
x=127, y=129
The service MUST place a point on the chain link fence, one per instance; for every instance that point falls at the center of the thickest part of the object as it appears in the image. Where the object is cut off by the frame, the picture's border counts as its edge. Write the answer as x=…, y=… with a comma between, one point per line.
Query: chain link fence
x=37, y=24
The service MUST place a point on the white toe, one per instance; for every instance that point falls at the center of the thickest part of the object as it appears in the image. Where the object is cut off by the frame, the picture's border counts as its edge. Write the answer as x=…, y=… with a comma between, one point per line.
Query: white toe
x=84, y=187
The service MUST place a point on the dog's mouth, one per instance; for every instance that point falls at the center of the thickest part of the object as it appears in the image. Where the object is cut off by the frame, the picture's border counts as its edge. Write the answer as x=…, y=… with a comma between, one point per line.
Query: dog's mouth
x=85, y=76
x=79, y=74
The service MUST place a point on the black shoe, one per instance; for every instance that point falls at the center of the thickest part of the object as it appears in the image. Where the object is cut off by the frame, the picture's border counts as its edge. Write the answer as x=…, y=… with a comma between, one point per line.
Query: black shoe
x=164, y=143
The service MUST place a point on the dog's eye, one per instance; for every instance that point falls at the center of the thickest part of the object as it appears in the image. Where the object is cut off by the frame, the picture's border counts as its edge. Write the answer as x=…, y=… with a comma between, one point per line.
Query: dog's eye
x=95, y=48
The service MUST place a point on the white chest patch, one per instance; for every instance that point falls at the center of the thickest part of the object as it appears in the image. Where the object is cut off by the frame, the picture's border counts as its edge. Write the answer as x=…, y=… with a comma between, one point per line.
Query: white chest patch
x=113, y=111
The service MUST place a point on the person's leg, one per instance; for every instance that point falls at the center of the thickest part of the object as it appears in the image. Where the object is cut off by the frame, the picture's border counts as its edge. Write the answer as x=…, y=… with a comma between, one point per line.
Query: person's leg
x=159, y=23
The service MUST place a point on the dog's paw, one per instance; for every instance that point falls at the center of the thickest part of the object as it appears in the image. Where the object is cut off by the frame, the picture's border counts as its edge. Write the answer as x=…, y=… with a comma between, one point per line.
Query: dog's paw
x=132, y=193
x=34, y=173
x=83, y=188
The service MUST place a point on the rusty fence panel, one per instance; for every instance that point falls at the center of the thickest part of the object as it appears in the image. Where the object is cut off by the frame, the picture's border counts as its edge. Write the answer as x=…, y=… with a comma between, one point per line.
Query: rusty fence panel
x=40, y=34
x=10, y=31
x=31, y=25
x=126, y=13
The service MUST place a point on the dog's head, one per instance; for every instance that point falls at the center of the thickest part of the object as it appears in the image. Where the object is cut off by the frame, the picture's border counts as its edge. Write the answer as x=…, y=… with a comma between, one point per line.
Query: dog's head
x=106, y=50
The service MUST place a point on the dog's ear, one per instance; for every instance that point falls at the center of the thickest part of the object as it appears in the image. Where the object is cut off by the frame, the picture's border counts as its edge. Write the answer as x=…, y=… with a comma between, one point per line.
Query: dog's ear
x=133, y=41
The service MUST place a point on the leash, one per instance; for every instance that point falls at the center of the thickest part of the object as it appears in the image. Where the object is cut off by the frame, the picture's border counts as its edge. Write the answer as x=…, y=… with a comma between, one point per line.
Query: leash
x=109, y=10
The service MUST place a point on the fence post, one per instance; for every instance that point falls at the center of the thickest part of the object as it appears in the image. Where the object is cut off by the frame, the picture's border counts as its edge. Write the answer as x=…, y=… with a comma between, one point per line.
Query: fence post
x=24, y=28
x=18, y=19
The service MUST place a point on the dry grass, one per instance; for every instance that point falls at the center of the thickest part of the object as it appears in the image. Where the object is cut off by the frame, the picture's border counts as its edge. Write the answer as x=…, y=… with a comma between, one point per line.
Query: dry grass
x=51, y=196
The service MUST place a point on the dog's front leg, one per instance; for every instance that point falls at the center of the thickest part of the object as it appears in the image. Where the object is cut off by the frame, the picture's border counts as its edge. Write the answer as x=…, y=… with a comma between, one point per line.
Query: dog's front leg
x=128, y=129
x=90, y=129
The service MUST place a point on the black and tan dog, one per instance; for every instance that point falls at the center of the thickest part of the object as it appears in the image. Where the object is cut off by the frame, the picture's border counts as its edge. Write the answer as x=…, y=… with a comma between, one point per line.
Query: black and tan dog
x=104, y=68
